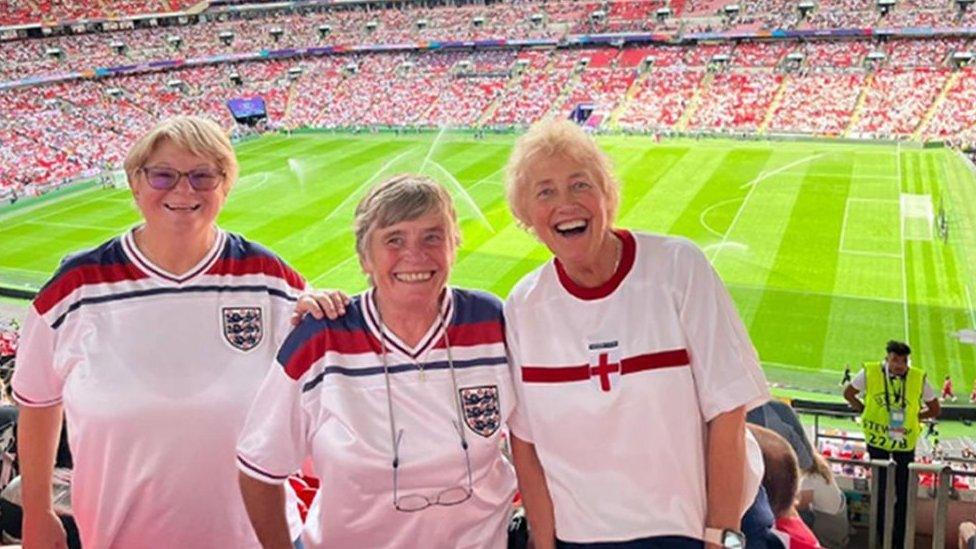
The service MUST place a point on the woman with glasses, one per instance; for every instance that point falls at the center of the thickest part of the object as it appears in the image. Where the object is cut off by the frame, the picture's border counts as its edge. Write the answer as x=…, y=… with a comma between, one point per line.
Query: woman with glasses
x=400, y=402
x=153, y=345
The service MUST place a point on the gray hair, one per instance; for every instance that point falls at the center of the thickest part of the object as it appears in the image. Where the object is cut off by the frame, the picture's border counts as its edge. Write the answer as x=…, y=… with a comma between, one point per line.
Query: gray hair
x=403, y=197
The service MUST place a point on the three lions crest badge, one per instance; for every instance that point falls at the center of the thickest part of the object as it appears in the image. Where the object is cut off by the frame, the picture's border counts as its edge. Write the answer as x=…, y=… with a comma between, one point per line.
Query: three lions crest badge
x=481, y=409
x=243, y=327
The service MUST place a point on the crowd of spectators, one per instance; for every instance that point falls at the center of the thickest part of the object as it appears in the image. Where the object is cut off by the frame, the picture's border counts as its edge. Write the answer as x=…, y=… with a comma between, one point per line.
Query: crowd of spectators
x=897, y=101
x=81, y=127
x=956, y=118
x=736, y=101
x=819, y=102
x=660, y=99
x=20, y=12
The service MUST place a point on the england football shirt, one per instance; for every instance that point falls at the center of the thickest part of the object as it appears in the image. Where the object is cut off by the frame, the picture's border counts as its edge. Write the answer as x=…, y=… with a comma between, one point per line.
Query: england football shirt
x=156, y=373
x=617, y=383
x=337, y=395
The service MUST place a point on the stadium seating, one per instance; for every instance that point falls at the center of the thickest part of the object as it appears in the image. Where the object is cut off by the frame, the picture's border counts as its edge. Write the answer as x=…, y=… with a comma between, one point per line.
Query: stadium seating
x=897, y=100
x=17, y=13
x=856, y=87
x=818, y=103
x=957, y=118
x=736, y=101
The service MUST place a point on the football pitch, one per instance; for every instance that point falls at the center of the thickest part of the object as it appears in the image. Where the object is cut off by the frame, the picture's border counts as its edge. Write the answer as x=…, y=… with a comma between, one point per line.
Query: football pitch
x=829, y=249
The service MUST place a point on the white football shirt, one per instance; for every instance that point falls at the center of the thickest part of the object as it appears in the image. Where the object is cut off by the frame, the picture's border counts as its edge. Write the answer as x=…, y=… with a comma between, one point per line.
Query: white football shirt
x=616, y=385
x=156, y=373
x=328, y=397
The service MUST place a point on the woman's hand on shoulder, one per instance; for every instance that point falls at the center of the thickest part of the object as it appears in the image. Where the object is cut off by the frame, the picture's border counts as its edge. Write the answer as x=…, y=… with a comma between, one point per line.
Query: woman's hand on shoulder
x=320, y=304
x=44, y=531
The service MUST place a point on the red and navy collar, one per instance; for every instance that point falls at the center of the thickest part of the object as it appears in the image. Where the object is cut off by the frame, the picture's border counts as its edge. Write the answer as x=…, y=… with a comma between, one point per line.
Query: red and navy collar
x=144, y=264
x=392, y=342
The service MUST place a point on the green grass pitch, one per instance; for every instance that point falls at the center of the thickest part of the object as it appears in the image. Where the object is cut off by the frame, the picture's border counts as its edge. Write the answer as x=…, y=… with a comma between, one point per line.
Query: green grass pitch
x=829, y=250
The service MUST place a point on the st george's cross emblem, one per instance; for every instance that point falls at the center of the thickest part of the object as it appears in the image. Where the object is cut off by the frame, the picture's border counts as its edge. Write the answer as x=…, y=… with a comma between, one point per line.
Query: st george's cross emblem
x=243, y=327
x=482, y=411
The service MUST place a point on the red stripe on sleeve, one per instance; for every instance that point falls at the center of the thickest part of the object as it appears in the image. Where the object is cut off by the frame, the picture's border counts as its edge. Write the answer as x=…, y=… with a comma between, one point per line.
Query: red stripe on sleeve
x=338, y=341
x=75, y=278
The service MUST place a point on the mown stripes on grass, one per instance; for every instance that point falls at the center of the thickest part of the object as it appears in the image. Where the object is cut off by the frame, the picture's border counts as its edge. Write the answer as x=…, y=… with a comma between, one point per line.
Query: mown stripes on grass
x=806, y=235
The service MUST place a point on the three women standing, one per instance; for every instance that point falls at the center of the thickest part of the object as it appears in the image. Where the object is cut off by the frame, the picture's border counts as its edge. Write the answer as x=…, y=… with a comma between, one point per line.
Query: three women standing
x=632, y=370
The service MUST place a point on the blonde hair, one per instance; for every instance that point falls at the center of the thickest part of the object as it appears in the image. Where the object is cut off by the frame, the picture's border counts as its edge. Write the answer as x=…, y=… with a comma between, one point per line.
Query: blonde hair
x=820, y=466
x=200, y=136
x=550, y=138
x=403, y=197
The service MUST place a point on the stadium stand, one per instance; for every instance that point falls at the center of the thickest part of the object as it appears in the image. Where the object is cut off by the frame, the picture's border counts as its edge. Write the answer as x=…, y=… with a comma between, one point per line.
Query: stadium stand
x=18, y=13
x=904, y=88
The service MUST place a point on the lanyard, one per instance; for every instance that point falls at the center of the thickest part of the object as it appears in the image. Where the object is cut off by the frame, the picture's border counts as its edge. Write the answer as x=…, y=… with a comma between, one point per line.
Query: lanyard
x=899, y=394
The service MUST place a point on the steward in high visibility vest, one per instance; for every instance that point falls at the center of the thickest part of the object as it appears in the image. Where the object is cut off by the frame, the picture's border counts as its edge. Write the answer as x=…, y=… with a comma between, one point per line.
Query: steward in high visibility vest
x=891, y=415
x=891, y=408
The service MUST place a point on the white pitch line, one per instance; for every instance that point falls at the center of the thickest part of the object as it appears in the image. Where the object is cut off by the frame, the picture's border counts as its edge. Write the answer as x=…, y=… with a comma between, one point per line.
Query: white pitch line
x=870, y=254
x=77, y=226
x=44, y=203
x=766, y=175
x=486, y=178
x=904, y=274
x=843, y=226
x=898, y=165
x=752, y=187
x=334, y=268
x=972, y=313
x=706, y=211
x=840, y=174
x=882, y=200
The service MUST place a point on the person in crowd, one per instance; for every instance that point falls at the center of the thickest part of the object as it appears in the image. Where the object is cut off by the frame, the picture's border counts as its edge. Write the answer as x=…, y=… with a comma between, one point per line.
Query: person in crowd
x=820, y=495
x=781, y=481
x=400, y=402
x=967, y=535
x=847, y=375
x=628, y=355
x=897, y=398
x=153, y=345
x=822, y=503
x=947, y=392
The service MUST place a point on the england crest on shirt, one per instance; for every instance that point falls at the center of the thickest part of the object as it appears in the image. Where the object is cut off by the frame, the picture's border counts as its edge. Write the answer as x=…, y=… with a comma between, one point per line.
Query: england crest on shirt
x=243, y=327
x=482, y=412
x=604, y=364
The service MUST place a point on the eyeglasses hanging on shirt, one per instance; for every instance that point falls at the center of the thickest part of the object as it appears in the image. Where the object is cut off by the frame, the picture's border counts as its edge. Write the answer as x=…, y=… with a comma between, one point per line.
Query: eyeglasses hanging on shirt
x=453, y=495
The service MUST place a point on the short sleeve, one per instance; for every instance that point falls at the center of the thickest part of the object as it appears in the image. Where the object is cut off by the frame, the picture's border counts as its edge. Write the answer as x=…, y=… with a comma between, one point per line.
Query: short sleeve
x=273, y=442
x=860, y=381
x=518, y=423
x=723, y=360
x=36, y=381
x=284, y=306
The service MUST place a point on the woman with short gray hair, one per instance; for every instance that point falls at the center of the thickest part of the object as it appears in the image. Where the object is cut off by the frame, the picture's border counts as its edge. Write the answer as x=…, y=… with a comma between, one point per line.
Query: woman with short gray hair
x=399, y=403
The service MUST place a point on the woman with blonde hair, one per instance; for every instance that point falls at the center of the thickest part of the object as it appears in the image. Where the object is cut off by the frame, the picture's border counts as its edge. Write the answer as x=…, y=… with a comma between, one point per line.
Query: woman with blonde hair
x=820, y=495
x=632, y=368
x=153, y=345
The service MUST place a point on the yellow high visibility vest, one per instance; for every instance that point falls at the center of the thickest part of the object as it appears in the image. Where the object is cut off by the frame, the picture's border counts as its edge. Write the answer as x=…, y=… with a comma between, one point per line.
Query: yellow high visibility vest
x=880, y=399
